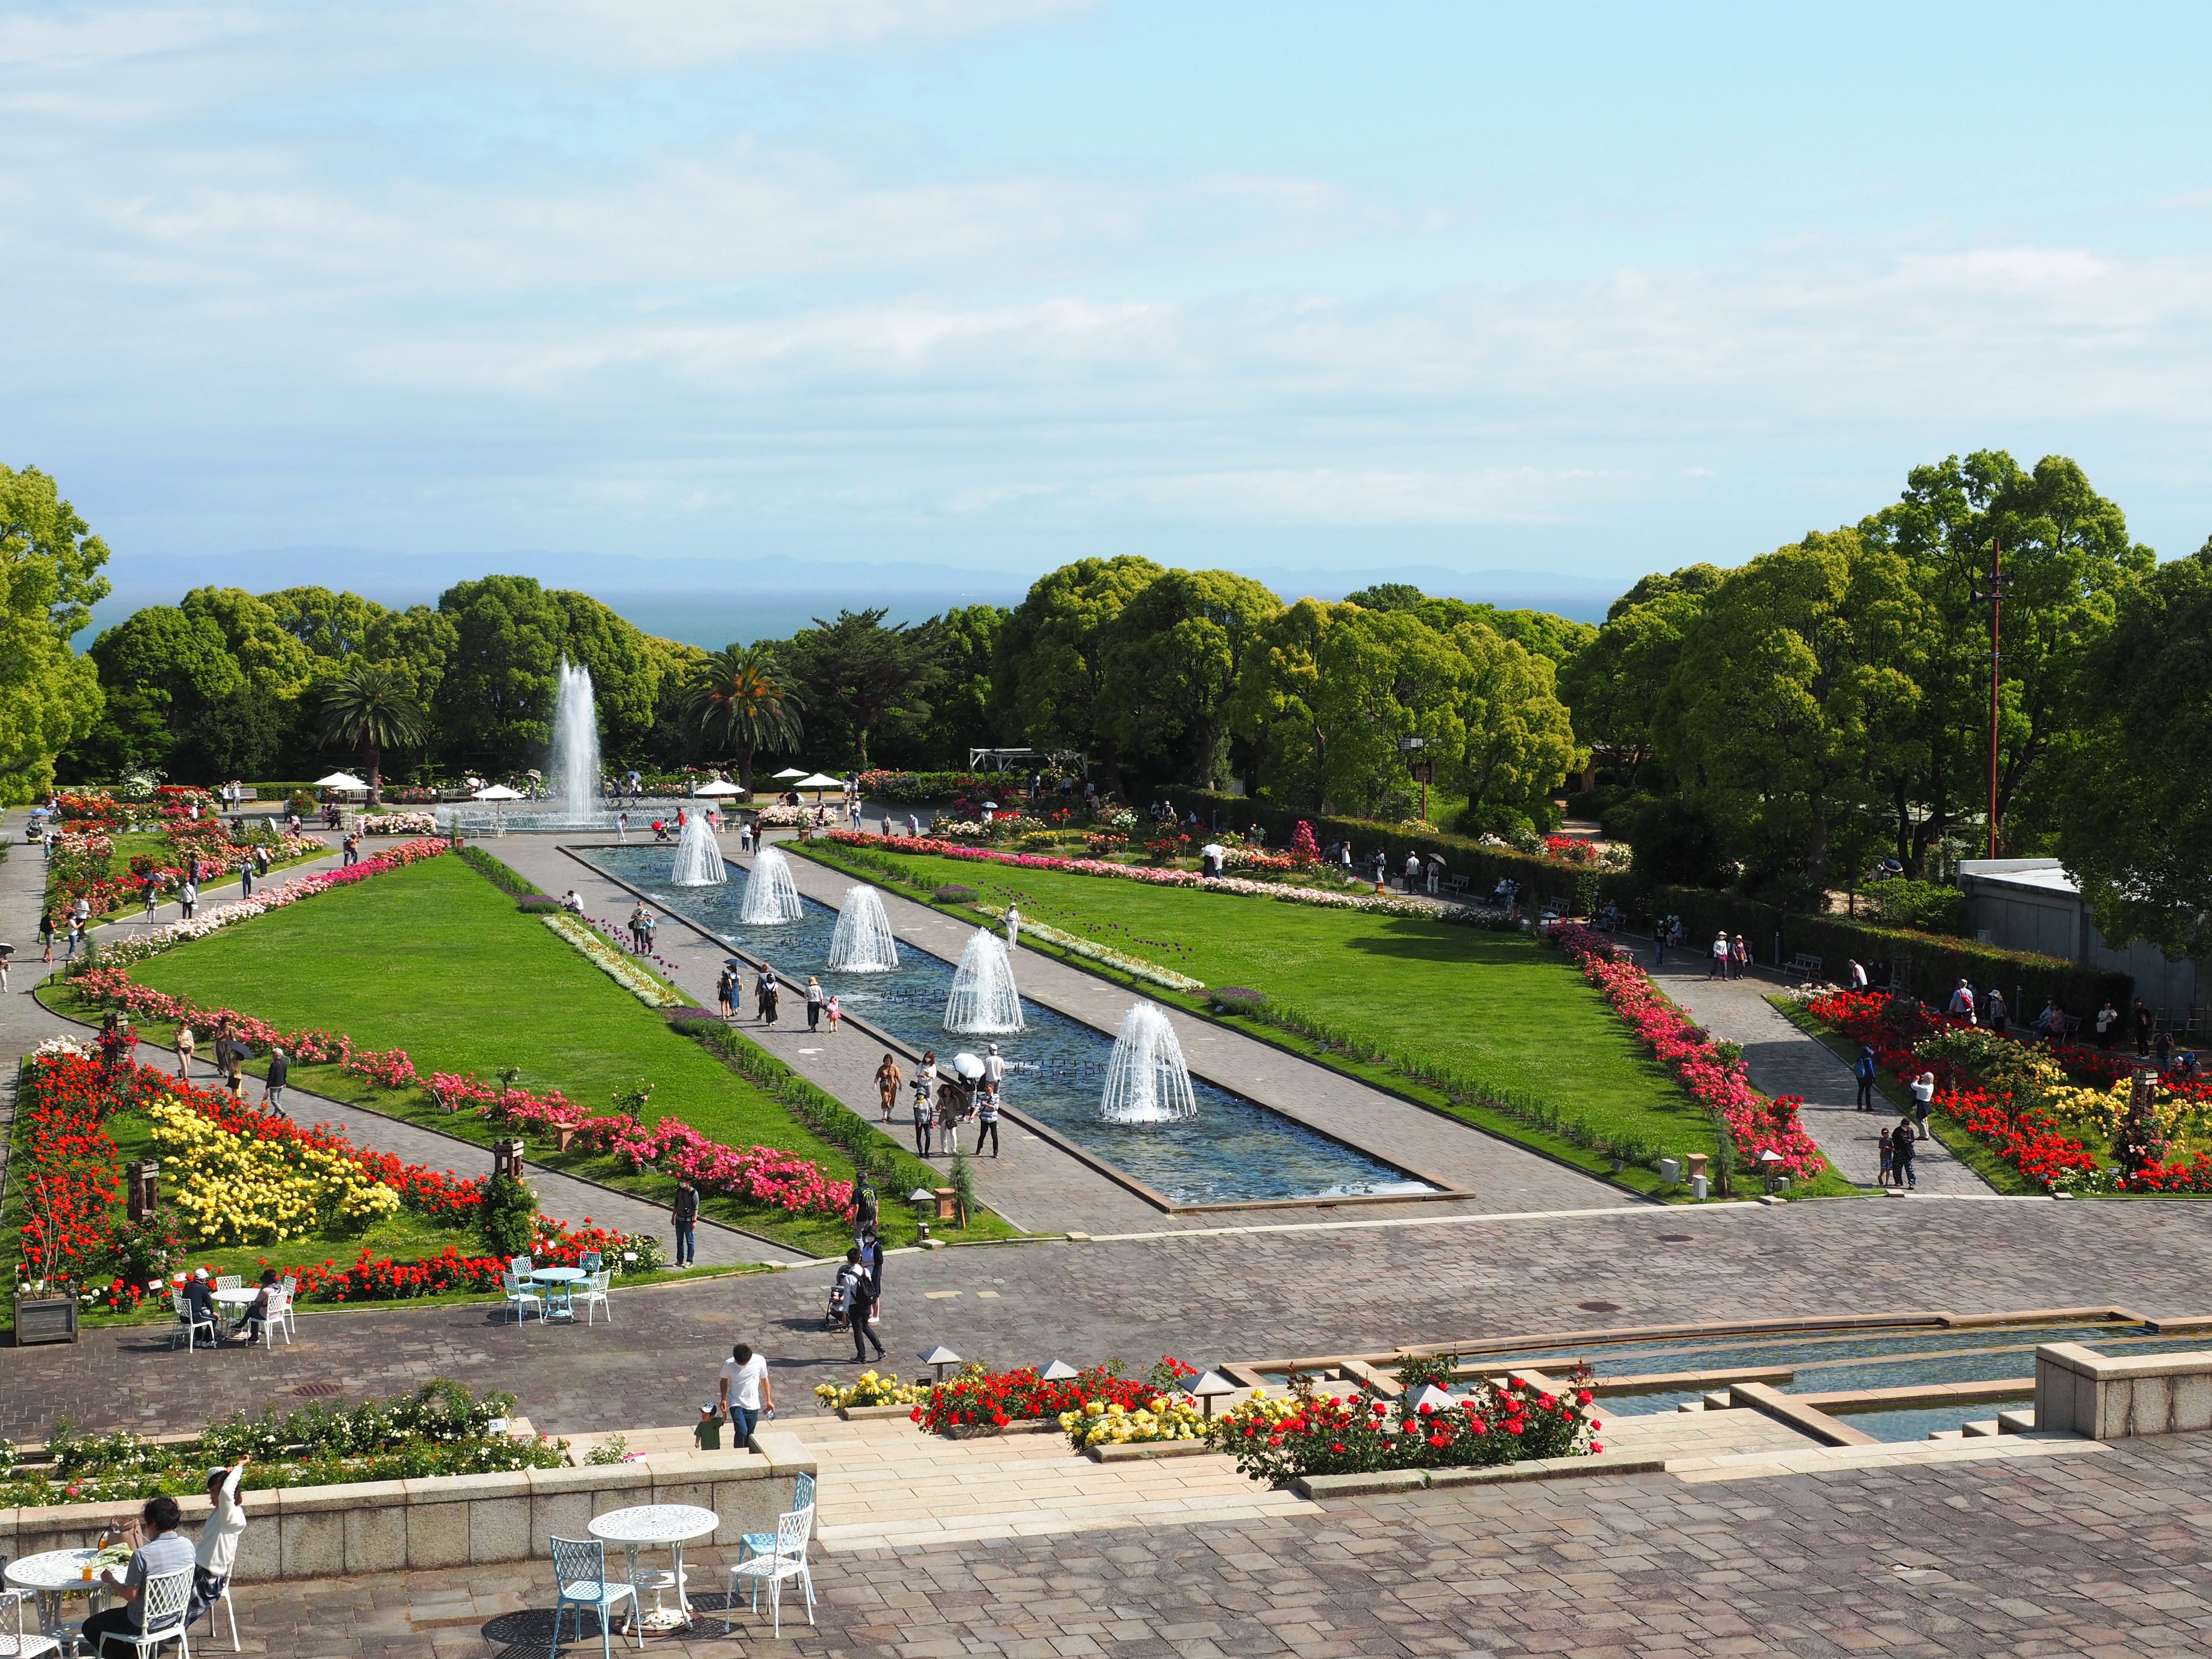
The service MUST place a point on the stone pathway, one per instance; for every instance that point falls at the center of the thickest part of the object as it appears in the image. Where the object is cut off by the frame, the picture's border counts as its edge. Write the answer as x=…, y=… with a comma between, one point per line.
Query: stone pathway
x=1785, y=1060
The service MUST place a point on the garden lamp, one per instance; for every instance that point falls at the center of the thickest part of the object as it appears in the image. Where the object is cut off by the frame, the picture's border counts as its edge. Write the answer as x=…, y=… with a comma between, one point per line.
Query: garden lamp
x=1432, y=1399
x=1767, y=1160
x=924, y=1205
x=940, y=1357
x=1210, y=1388
x=1060, y=1371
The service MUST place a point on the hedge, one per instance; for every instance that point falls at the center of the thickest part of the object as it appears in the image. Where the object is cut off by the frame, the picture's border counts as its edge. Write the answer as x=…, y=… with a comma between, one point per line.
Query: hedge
x=1929, y=964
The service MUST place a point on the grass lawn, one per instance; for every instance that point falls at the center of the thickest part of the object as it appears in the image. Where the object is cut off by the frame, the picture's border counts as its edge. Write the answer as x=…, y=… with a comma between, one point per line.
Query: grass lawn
x=435, y=960
x=1500, y=1007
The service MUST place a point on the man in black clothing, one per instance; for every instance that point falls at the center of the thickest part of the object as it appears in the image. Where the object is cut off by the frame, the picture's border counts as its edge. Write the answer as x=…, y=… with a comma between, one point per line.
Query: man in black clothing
x=272, y=1091
x=684, y=1212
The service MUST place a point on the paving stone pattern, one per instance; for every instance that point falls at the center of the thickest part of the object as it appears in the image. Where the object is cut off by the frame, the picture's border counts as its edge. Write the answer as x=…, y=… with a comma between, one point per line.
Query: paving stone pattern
x=2101, y=1556
x=1785, y=1060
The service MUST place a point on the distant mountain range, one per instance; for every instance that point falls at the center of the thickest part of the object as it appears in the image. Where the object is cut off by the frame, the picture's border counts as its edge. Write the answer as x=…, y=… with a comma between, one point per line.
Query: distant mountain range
x=712, y=602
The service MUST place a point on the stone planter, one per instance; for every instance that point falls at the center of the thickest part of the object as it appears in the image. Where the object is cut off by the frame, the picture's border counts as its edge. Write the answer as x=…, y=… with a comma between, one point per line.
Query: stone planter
x=45, y=1319
x=992, y=1430
x=874, y=1414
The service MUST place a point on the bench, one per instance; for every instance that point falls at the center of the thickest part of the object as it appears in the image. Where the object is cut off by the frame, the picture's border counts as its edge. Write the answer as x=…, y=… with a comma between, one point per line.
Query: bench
x=1805, y=967
x=1456, y=884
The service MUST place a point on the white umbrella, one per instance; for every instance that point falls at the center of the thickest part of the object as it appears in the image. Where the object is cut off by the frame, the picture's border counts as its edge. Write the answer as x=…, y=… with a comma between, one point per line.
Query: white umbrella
x=720, y=786
x=821, y=781
x=499, y=791
x=339, y=781
x=791, y=772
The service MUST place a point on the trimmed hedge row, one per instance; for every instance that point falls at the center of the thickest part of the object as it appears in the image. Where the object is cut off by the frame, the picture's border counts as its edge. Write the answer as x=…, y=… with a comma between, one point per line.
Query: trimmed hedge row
x=1929, y=964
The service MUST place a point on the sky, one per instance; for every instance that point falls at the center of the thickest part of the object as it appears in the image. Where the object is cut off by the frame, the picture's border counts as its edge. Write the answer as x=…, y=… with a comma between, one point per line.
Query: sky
x=760, y=304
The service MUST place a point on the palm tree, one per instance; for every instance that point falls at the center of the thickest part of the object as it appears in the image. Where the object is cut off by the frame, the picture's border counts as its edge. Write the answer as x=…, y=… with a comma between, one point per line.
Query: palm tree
x=371, y=705
x=739, y=701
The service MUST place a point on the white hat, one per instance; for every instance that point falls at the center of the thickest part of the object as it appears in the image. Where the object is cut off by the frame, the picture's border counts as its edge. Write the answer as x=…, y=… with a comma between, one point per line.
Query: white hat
x=199, y=1272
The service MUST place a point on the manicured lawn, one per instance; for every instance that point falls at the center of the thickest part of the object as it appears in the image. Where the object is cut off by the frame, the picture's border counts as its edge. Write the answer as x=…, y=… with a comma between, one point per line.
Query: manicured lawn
x=1496, y=1007
x=433, y=959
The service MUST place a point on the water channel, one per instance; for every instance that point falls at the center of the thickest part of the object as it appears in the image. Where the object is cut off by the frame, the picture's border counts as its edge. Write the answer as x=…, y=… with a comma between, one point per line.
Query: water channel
x=1233, y=1150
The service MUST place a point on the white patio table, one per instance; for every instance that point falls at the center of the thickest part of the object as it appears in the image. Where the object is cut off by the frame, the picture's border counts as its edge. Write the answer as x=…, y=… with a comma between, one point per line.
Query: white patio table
x=53, y=1576
x=672, y=1525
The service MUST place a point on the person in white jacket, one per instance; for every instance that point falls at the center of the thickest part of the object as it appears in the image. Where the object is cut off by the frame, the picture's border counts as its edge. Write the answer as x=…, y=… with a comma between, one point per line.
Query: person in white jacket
x=217, y=1551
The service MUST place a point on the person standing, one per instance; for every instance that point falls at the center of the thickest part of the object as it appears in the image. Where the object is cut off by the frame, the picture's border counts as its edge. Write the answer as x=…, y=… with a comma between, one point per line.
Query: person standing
x=245, y=878
x=1863, y=1071
x=1998, y=1012
x=725, y=991
x=621, y=829
x=913, y=827
x=833, y=1011
x=1013, y=925
x=184, y=1042
x=1961, y=1006
x=745, y=1393
x=163, y=1552
x=1719, y=969
x=46, y=933
x=1901, y=1139
x=860, y=1303
x=2108, y=1020
x=1924, y=1101
x=994, y=1066
x=1659, y=945
x=1740, y=956
x=188, y=899
x=986, y=1118
x=871, y=1258
x=888, y=1079
x=684, y=1214
x=153, y=898
x=1888, y=1160
x=2142, y=1028
x=925, y=1116
x=272, y=1088
x=771, y=995
x=948, y=1116
x=813, y=1002
x=1858, y=975
x=217, y=1550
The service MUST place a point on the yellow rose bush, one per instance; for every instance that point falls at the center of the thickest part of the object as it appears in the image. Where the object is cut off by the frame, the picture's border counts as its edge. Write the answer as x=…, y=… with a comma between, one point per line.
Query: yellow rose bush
x=230, y=1189
x=874, y=1388
x=1108, y=1422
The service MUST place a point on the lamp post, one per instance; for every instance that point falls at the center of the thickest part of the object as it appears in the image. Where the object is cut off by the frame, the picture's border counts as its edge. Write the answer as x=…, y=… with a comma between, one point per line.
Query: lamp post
x=939, y=1357
x=1209, y=1389
x=1422, y=771
x=925, y=1204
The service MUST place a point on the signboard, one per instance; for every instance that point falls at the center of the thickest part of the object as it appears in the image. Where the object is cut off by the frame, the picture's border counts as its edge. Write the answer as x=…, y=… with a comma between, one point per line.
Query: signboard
x=1423, y=772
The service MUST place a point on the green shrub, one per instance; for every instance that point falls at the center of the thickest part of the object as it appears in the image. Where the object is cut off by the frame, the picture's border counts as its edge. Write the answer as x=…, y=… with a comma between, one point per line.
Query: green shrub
x=1928, y=905
x=499, y=875
x=510, y=1216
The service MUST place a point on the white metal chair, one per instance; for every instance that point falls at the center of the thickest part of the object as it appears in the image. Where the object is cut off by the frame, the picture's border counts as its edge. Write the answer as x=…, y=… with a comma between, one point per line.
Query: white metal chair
x=187, y=1325
x=788, y=1561
x=276, y=1317
x=230, y=1613
x=521, y=1299
x=13, y=1644
x=579, y=1573
x=230, y=1281
x=763, y=1543
x=291, y=1321
x=592, y=1291
x=161, y=1612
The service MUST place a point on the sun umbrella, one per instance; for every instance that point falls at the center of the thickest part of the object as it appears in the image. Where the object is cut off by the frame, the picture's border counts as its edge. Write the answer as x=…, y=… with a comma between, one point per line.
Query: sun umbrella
x=720, y=786
x=791, y=772
x=340, y=781
x=499, y=791
x=968, y=1066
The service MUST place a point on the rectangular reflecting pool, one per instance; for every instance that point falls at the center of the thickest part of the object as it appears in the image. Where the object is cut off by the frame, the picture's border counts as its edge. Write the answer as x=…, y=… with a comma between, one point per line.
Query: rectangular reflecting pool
x=1235, y=1150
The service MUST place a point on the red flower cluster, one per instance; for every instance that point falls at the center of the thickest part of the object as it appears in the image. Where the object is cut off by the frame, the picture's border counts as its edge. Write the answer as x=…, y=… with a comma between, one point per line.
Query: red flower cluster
x=309, y=1045
x=1755, y=1123
x=69, y=1174
x=2022, y=1135
x=977, y=1397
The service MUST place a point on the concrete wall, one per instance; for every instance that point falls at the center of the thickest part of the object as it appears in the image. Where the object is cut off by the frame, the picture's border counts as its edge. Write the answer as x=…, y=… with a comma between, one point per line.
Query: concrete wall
x=2019, y=917
x=2080, y=1391
x=453, y=1521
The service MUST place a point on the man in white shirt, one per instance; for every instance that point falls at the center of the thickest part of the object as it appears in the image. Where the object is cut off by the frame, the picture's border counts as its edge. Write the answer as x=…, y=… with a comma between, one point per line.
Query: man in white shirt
x=1962, y=1003
x=217, y=1551
x=745, y=1393
x=994, y=1066
x=1013, y=925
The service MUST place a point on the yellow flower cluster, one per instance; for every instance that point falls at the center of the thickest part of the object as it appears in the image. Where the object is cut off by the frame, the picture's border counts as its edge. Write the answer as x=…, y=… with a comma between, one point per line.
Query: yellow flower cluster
x=2104, y=1110
x=1174, y=1417
x=873, y=1390
x=232, y=1189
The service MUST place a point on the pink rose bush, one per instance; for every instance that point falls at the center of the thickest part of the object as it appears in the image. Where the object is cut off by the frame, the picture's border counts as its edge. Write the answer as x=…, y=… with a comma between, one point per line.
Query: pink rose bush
x=1755, y=1123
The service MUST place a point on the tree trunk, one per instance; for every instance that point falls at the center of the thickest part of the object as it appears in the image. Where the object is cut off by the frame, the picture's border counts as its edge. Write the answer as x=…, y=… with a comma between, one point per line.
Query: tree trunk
x=376, y=772
x=745, y=769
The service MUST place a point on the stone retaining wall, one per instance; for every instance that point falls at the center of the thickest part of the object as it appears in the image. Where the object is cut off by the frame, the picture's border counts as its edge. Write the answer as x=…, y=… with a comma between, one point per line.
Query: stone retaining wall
x=451, y=1520
x=2081, y=1391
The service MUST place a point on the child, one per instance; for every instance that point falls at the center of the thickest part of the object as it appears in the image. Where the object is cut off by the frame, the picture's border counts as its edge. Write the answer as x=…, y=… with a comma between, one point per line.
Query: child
x=706, y=1433
x=924, y=1114
x=831, y=1011
x=1886, y=1165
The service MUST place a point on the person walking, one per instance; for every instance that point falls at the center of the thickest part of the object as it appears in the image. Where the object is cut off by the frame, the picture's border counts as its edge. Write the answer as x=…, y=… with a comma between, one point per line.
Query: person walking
x=186, y=1043
x=1659, y=945
x=1901, y=1139
x=987, y=1119
x=948, y=1116
x=1013, y=925
x=153, y=898
x=725, y=991
x=813, y=1002
x=745, y=1392
x=925, y=1116
x=272, y=1086
x=188, y=899
x=871, y=1258
x=2108, y=1020
x=684, y=1214
x=1858, y=975
x=46, y=933
x=1962, y=1004
x=1889, y=1161
x=621, y=829
x=833, y=1011
x=245, y=878
x=2143, y=1029
x=888, y=1079
x=1863, y=1070
x=994, y=1066
x=771, y=995
x=76, y=938
x=1739, y=957
x=860, y=1303
x=1924, y=1100
x=1719, y=969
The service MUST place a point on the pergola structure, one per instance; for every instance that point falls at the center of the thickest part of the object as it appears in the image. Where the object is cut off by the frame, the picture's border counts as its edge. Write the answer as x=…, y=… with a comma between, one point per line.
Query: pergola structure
x=1015, y=760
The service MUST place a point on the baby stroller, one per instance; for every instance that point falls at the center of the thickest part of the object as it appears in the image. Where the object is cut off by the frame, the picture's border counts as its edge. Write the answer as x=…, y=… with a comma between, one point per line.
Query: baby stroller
x=838, y=1316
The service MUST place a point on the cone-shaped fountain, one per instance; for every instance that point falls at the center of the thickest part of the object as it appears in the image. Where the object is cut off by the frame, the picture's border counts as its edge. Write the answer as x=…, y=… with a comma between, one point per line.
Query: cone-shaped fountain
x=983, y=998
x=771, y=895
x=862, y=943
x=576, y=743
x=698, y=857
x=1146, y=1081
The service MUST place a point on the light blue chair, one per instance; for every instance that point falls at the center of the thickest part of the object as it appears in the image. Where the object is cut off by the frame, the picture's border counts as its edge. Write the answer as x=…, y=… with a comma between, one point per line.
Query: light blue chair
x=521, y=1299
x=580, y=1570
x=763, y=1543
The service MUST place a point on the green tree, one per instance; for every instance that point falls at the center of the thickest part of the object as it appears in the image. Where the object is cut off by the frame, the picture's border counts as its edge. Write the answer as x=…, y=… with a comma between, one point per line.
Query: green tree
x=370, y=705
x=1048, y=669
x=165, y=670
x=332, y=626
x=1613, y=684
x=1387, y=596
x=237, y=736
x=2067, y=553
x=625, y=669
x=1795, y=679
x=49, y=696
x=741, y=703
x=1275, y=708
x=495, y=692
x=1693, y=580
x=1383, y=676
x=274, y=661
x=1518, y=738
x=1173, y=660
x=961, y=706
x=870, y=676
x=2133, y=798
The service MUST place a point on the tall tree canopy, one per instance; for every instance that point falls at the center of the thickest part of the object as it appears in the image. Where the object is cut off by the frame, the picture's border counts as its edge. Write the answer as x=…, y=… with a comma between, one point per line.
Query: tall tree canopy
x=1048, y=669
x=1173, y=660
x=1614, y=683
x=868, y=676
x=50, y=696
x=740, y=701
x=493, y=704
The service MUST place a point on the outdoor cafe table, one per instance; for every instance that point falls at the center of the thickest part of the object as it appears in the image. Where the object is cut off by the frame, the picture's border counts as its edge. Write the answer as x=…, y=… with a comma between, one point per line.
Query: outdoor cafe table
x=561, y=1279
x=52, y=1576
x=672, y=1525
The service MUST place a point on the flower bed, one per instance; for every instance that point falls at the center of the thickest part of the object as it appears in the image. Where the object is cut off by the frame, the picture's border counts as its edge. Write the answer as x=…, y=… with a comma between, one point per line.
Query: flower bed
x=1717, y=1081
x=1170, y=1417
x=139, y=947
x=1135, y=967
x=1281, y=1438
x=977, y=1398
x=874, y=1388
x=613, y=962
x=241, y=1189
x=397, y=824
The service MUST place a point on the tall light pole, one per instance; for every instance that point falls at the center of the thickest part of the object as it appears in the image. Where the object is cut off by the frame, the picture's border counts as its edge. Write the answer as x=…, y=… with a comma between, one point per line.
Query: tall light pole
x=1421, y=771
x=1995, y=599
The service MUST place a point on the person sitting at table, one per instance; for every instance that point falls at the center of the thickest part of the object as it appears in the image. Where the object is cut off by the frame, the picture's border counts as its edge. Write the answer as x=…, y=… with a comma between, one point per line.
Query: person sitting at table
x=163, y=1552
x=257, y=1311
x=199, y=1300
x=217, y=1549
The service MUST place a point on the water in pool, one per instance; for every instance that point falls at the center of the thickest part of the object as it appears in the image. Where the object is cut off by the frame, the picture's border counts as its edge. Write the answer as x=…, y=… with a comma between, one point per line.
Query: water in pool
x=1232, y=1151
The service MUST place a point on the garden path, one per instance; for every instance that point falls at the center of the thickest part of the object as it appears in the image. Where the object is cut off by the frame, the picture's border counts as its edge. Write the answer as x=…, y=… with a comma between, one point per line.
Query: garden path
x=1043, y=1189
x=1786, y=1060
x=24, y=1024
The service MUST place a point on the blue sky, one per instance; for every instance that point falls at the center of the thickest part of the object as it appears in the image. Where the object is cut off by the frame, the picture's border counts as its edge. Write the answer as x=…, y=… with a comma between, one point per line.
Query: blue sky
x=387, y=295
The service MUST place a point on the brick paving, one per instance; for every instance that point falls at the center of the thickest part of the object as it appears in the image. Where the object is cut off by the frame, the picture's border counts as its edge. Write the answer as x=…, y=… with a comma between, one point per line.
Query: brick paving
x=2103, y=1555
